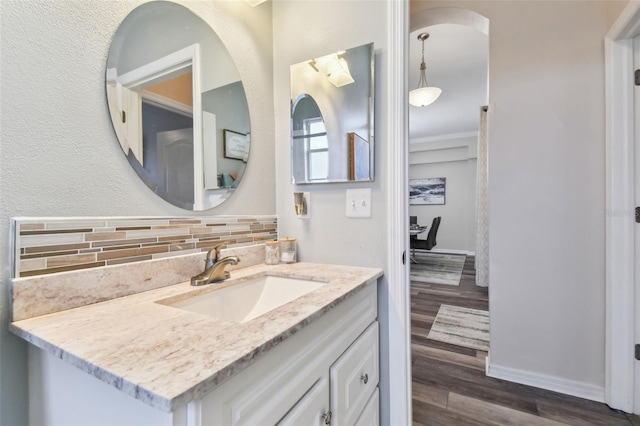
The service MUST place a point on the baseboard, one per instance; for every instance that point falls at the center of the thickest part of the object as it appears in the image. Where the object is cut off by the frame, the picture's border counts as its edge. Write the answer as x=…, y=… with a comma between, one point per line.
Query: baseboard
x=555, y=384
x=454, y=251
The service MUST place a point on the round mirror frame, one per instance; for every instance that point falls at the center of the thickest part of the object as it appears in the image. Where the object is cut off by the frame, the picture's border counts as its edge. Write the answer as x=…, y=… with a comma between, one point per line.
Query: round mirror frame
x=159, y=45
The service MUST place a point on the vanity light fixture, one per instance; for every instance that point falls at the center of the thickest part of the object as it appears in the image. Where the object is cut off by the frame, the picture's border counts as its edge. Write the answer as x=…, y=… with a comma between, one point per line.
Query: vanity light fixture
x=335, y=67
x=253, y=3
x=423, y=95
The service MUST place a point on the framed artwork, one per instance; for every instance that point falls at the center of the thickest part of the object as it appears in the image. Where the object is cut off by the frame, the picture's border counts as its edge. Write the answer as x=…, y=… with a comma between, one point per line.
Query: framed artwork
x=236, y=145
x=429, y=191
x=359, y=155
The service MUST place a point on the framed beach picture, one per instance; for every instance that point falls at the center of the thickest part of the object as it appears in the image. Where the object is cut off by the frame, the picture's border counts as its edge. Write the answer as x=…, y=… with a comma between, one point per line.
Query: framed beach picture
x=429, y=191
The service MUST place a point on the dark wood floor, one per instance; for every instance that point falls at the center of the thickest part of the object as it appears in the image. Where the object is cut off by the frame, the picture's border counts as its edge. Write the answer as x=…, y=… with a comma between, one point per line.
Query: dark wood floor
x=449, y=382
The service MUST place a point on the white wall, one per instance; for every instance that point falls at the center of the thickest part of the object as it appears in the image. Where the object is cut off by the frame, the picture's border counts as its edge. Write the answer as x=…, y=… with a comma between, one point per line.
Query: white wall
x=546, y=188
x=58, y=153
x=455, y=160
x=145, y=38
x=303, y=30
x=614, y=8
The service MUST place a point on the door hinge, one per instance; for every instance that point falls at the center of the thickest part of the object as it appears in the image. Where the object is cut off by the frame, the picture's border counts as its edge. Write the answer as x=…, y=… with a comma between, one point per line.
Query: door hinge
x=638, y=352
x=637, y=75
x=637, y=214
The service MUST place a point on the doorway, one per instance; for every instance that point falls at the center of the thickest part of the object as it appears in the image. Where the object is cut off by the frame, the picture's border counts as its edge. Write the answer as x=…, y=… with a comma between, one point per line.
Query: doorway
x=449, y=311
x=449, y=137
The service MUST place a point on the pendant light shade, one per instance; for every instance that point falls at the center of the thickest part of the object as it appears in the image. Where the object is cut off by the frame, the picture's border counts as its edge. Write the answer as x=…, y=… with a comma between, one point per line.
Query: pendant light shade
x=424, y=94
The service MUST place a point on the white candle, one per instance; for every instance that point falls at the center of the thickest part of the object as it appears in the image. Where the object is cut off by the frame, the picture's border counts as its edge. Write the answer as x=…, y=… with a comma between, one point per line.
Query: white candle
x=286, y=256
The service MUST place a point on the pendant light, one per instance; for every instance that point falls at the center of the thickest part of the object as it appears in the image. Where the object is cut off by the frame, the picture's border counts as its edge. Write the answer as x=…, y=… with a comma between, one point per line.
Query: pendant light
x=423, y=95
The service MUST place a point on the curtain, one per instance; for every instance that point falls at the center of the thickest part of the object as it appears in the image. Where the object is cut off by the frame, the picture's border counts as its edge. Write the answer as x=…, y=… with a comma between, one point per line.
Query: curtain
x=482, y=206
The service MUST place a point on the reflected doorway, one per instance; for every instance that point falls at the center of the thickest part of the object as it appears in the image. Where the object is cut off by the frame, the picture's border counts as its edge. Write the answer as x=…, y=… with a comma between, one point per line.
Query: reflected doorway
x=167, y=152
x=175, y=164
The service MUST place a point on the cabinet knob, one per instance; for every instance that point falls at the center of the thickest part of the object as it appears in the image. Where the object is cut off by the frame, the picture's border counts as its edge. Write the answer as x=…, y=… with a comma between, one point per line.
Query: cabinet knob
x=327, y=417
x=365, y=378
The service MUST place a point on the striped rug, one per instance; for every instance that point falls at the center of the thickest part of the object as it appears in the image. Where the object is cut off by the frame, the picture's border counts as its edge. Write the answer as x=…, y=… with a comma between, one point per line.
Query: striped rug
x=461, y=326
x=437, y=268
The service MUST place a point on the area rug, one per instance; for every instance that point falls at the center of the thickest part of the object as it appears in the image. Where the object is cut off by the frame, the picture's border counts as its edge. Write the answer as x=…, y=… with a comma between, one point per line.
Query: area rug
x=461, y=326
x=436, y=268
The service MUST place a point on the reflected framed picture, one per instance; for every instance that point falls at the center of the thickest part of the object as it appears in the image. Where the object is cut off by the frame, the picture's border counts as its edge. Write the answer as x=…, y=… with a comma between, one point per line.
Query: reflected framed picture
x=359, y=155
x=236, y=145
x=427, y=191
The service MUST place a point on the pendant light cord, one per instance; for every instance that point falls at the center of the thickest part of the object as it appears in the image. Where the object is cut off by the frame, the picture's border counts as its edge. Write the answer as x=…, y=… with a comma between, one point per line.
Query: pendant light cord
x=422, y=82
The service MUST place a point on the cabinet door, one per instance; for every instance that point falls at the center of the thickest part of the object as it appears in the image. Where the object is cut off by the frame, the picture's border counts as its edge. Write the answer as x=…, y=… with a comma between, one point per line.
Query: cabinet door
x=354, y=377
x=371, y=414
x=312, y=409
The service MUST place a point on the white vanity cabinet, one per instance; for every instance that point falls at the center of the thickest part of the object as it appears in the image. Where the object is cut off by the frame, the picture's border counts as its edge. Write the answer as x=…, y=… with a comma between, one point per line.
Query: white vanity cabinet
x=346, y=396
x=354, y=377
x=349, y=394
x=325, y=374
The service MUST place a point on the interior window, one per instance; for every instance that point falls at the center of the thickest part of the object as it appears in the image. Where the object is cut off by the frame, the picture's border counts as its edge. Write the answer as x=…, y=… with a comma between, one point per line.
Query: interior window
x=317, y=149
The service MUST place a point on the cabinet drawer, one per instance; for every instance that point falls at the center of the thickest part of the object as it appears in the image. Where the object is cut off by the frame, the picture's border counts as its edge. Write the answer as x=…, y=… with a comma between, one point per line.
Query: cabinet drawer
x=371, y=414
x=311, y=408
x=354, y=377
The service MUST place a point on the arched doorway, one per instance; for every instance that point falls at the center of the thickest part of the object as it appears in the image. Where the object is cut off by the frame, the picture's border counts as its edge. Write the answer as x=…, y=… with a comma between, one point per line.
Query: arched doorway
x=441, y=139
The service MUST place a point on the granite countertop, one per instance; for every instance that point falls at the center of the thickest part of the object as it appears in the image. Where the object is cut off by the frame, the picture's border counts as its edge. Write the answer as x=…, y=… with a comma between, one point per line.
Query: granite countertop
x=166, y=356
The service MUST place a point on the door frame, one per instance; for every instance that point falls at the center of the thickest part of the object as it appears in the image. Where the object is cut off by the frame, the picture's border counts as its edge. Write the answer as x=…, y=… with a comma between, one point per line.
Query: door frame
x=620, y=312
x=396, y=112
x=162, y=69
x=397, y=153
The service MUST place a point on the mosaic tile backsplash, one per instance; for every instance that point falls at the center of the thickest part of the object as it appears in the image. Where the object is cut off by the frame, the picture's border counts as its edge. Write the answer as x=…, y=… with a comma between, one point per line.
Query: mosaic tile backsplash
x=49, y=245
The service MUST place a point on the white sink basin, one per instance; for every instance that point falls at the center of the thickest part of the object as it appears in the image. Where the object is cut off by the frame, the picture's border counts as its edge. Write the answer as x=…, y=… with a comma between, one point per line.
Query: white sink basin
x=247, y=300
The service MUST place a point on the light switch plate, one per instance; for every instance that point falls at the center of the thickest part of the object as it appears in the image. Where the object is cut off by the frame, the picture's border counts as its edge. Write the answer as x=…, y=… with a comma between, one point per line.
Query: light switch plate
x=359, y=202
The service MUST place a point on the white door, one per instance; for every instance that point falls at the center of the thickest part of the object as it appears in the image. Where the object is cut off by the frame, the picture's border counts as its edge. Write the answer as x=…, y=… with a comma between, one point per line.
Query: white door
x=636, y=115
x=175, y=165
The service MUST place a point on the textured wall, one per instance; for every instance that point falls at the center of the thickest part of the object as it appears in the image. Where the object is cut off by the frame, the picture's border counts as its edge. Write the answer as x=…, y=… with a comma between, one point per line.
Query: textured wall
x=58, y=152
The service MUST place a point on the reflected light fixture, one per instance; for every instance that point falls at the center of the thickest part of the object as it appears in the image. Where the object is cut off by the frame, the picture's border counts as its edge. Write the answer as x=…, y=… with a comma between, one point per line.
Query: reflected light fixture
x=423, y=95
x=335, y=67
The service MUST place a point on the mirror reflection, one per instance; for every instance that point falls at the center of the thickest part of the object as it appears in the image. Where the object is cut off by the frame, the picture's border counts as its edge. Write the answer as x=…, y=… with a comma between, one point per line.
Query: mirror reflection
x=175, y=98
x=332, y=117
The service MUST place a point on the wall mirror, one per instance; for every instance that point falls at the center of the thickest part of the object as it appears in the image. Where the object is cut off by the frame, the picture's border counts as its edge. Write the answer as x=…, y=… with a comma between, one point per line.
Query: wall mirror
x=332, y=117
x=174, y=93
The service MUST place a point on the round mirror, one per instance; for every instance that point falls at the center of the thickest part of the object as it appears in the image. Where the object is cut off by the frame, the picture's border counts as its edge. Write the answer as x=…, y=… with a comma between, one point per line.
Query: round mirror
x=178, y=106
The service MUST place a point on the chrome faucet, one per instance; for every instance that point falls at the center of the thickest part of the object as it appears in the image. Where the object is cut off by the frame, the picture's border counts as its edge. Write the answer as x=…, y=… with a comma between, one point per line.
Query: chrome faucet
x=214, y=267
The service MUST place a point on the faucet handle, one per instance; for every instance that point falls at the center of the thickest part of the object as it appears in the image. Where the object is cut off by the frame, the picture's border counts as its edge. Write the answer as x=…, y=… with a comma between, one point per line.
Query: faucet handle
x=213, y=255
